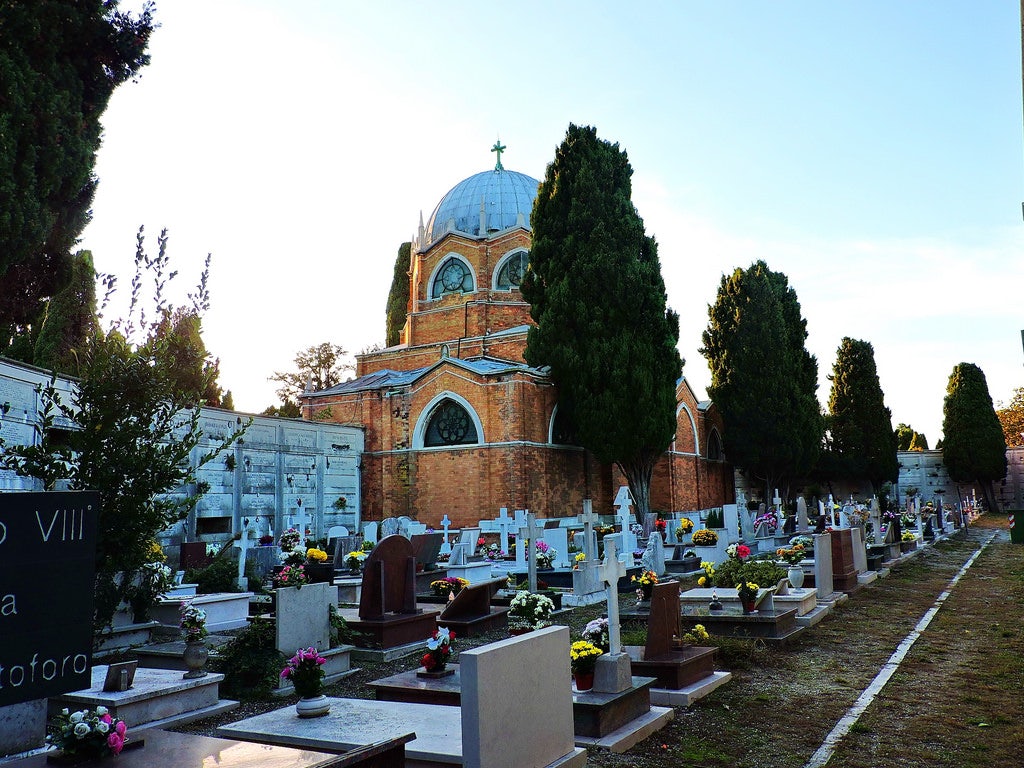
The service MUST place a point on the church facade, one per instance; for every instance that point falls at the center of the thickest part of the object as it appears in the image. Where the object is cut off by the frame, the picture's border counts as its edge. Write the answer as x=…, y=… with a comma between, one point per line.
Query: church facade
x=456, y=423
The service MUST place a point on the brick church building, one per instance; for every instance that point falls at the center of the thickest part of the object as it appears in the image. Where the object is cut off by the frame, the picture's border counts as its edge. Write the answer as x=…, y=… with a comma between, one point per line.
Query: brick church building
x=455, y=420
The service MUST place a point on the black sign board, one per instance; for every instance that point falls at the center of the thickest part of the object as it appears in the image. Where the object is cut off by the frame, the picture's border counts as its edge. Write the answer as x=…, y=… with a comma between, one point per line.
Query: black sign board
x=47, y=570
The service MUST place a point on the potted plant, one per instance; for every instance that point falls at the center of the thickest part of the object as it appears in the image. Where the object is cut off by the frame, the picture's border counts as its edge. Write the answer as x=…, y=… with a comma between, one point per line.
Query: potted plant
x=306, y=673
x=290, y=540
x=596, y=632
x=685, y=527
x=354, y=560
x=439, y=650
x=291, y=576
x=644, y=584
x=793, y=556
x=747, y=591
x=705, y=537
x=696, y=636
x=193, y=625
x=317, y=567
x=908, y=541
x=87, y=734
x=545, y=555
x=583, y=656
x=448, y=586
x=660, y=526
x=529, y=611
x=708, y=579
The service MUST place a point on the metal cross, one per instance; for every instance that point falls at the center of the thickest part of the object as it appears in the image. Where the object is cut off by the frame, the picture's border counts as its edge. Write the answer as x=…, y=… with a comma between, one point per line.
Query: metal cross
x=499, y=148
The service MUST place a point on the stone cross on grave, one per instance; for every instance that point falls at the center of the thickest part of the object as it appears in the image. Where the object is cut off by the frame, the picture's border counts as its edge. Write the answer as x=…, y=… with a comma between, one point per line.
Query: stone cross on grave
x=242, y=544
x=588, y=518
x=622, y=502
x=446, y=547
x=610, y=571
x=533, y=532
x=801, y=514
x=506, y=525
x=299, y=521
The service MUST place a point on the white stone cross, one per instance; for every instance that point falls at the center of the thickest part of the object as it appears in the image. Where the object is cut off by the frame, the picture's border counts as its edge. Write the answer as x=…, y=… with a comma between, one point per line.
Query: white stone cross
x=532, y=532
x=505, y=526
x=622, y=502
x=588, y=518
x=446, y=547
x=610, y=571
x=243, y=545
x=299, y=521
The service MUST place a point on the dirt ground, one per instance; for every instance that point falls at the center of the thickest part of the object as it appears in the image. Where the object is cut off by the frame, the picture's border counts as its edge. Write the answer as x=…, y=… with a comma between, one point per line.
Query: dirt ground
x=954, y=701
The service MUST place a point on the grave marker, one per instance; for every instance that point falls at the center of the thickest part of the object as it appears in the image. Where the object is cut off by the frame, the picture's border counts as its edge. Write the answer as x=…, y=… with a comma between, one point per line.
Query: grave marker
x=612, y=673
x=505, y=525
x=446, y=547
x=532, y=532
x=370, y=532
x=589, y=519
x=623, y=518
x=801, y=515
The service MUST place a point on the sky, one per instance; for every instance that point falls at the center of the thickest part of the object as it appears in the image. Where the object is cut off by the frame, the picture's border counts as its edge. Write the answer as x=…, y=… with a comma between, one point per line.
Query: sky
x=870, y=151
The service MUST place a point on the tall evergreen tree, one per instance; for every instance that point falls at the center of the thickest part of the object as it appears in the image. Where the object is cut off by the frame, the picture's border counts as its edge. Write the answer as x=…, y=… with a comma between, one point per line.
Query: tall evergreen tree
x=69, y=319
x=398, y=297
x=597, y=295
x=763, y=379
x=860, y=424
x=59, y=63
x=974, y=450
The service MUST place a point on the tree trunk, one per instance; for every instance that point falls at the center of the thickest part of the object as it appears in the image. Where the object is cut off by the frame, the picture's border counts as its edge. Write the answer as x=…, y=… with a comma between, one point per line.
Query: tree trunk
x=988, y=496
x=638, y=474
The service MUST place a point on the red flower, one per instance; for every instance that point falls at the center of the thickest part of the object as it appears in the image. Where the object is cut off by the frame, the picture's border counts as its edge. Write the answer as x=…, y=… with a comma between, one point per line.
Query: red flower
x=481, y=541
x=427, y=660
x=742, y=551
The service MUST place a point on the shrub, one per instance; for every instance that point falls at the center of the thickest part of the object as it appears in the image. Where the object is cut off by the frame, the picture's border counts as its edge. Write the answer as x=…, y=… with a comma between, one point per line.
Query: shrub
x=250, y=662
x=733, y=571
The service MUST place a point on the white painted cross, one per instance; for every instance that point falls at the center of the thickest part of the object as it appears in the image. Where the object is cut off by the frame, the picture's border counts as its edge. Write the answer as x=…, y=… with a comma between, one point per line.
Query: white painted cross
x=622, y=502
x=610, y=571
x=505, y=526
x=299, y=522
x=446, y=547
x=243, y=545
x=532, y=532
x=588, y=518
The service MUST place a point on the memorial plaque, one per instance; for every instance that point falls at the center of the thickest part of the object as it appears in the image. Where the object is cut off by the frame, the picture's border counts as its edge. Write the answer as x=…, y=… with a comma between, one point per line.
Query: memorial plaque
x=47, y=573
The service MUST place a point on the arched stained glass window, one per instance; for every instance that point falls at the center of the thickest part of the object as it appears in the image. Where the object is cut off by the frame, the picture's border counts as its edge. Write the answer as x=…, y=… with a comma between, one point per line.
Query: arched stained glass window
x=450, y=424
x=512, y=270
x=453, y=277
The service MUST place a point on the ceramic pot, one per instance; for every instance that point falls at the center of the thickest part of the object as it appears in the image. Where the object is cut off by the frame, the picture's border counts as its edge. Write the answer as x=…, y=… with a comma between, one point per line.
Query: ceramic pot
x=313, y=706
x=584, y=680
x=796, y=576
x=195, y=656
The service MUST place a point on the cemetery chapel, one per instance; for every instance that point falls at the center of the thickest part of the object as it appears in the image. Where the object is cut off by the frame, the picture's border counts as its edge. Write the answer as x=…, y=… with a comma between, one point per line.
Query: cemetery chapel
x=455, y=420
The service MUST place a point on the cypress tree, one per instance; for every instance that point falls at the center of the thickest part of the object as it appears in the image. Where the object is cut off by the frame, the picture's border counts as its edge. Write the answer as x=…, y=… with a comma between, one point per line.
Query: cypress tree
x=763, y=380
x=597, y=295
x=974, y=449
x=398, y=297
x=59, y=64
x=860, y=424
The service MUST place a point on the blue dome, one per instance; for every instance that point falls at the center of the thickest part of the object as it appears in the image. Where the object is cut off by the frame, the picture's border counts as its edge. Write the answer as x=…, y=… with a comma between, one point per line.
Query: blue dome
x=505, y=194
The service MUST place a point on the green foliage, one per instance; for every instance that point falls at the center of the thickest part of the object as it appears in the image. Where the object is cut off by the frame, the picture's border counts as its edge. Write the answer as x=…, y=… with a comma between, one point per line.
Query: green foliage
x=1011, y=418
x=762, y=572
x=907, y=439
x=184, y=354
x=59, y=64
x=289, y=410
x=715, y=519
x=319, y=367
x=250, y=662
x=763, y=380
x=341, y=632
x=219, y=576
x=974, y=449
x=125, y=431
x=860, y=424
x=398, y=297
x=596, y=293
x=69, y=319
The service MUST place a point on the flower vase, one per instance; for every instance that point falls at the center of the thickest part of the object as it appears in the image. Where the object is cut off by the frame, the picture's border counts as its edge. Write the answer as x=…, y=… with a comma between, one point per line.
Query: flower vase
x=313, y=706
x=748, y=606
x=796, y=576
x=584, y=681
x=195, y=655
x=646, y=593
